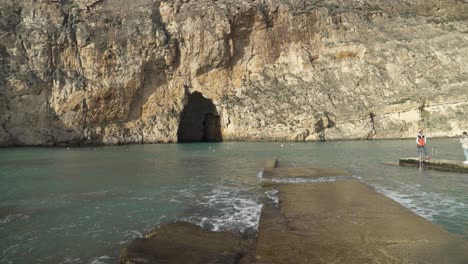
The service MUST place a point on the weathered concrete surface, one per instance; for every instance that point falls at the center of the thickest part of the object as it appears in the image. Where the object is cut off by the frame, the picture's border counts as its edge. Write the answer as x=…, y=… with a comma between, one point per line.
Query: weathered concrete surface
x=183, y=242
x=303, y=172
x=270, y=164
x=436, y=164
x=391, y=163
x=272, y=170
x=347, y=222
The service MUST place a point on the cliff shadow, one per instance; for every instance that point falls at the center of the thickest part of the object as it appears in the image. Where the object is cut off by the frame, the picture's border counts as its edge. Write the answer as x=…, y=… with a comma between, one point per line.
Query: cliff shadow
x=199, y=121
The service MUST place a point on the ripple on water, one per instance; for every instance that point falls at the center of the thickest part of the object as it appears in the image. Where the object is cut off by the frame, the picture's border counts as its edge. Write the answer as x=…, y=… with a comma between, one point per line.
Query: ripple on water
x=12, y=217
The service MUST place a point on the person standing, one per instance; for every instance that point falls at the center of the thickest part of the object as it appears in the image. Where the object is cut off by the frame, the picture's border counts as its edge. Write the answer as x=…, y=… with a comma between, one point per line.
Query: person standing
x=464, y=142
x=421, y=143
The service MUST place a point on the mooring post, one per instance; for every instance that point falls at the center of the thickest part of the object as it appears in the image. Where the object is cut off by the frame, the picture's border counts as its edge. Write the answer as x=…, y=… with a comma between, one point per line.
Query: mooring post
x=420, y=152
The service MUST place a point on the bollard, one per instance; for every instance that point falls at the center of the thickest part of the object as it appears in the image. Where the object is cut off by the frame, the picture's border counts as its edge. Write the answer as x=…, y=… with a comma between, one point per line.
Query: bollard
x=421, y=162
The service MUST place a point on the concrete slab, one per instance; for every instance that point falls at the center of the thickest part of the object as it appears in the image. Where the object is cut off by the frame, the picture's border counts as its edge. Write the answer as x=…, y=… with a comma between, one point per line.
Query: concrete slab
x=436, y=164
x=303, y=172
x=348, y=222
x=271, y=170
x=182, y=242
x=271, y=164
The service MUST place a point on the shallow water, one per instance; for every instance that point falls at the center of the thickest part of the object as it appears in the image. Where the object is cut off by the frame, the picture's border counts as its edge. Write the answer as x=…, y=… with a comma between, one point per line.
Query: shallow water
x=83, y=205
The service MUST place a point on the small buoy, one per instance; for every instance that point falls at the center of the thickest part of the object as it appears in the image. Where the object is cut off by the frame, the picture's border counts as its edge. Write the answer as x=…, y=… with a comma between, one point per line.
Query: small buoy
x=209, y=147
x=68, y=147
x=214, y=150
x=282, y=145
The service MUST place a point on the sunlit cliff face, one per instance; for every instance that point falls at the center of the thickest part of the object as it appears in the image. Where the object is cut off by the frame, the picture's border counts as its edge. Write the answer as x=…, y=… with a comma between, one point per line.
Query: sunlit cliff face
x=117, y=72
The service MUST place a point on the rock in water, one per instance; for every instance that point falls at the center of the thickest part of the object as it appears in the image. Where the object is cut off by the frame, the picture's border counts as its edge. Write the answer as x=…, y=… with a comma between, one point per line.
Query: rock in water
x=182, y=242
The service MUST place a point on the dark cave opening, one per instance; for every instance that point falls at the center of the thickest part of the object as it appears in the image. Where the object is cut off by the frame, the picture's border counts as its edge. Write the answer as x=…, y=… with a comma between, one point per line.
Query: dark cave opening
x=199, y=121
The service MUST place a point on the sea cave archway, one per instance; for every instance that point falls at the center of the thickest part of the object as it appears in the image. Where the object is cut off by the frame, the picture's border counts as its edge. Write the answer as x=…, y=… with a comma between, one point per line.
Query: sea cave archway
x=199, y=121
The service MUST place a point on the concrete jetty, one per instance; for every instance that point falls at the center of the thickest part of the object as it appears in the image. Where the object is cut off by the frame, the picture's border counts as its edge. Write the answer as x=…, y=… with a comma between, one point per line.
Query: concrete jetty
x=346, y=221
x=436, y=164
x=273, y=171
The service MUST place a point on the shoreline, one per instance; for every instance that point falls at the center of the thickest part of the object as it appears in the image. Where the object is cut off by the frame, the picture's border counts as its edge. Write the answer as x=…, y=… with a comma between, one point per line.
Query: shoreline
x=204, y=142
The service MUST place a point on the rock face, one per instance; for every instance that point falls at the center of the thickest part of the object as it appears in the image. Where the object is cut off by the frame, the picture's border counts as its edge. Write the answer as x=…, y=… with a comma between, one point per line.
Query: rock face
x=122, y=71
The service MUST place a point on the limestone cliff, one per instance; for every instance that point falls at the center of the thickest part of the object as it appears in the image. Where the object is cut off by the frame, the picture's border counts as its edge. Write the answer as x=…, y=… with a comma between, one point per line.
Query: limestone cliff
x=123, y=71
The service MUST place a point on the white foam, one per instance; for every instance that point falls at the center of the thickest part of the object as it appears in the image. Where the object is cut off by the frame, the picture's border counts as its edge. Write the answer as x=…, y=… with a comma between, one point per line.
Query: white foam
x=71, y=260
x=131, y=234
x=231, y=211
x=260, y=174
x=423, y=203
x=62, y=227
x=273, y=196
x=12, y=217
x=309, y=180
x=100, y=260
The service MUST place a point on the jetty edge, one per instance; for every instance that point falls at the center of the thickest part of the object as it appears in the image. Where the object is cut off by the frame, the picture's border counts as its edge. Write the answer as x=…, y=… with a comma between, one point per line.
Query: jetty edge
x=346, y=221
x=435, y=164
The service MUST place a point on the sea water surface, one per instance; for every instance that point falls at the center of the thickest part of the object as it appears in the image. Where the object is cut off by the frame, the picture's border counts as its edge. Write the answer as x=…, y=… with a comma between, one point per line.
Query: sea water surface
x=83, y=205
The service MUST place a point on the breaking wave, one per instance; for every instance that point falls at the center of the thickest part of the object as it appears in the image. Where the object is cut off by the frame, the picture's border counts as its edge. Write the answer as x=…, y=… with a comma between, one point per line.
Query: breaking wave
x=425, y=204
x=229, y=210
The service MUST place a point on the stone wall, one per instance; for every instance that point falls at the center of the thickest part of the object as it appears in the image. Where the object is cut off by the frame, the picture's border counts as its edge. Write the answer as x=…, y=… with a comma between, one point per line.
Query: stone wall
x=121, y=71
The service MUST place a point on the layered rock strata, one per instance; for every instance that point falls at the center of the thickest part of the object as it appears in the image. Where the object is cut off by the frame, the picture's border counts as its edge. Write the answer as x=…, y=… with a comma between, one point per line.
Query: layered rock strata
x=122, y=71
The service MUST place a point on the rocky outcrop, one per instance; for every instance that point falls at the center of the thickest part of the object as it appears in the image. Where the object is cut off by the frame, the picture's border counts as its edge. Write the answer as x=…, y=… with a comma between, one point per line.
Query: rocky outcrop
x=182, y=242
x=122, y=71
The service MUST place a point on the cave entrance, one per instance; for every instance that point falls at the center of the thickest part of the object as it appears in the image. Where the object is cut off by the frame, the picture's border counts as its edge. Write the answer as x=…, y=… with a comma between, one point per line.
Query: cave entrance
x=199, y=121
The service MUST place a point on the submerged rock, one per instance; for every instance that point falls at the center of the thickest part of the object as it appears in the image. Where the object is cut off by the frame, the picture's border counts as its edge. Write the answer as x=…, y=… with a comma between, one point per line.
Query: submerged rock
x=183, y=242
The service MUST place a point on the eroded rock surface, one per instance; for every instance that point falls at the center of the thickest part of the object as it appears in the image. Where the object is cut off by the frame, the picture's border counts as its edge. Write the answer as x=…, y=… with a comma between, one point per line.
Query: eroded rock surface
x=121, y=71
x=183, y=242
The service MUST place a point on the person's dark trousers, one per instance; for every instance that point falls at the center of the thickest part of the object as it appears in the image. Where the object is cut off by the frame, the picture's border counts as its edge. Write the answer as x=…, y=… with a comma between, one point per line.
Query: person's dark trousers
x=421, y=149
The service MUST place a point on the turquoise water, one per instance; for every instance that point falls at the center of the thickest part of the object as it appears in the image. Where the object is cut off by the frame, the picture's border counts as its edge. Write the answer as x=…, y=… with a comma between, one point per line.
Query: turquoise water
x=83, y=205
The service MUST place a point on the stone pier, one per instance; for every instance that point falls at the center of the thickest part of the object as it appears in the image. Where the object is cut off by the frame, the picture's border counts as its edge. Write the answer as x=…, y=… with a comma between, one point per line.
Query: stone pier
x=436, y=164
x=346, y=221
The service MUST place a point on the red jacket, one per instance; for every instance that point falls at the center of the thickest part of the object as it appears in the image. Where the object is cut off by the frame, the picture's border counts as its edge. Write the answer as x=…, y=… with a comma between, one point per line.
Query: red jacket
x=421, y=140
